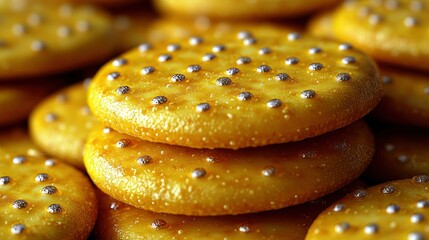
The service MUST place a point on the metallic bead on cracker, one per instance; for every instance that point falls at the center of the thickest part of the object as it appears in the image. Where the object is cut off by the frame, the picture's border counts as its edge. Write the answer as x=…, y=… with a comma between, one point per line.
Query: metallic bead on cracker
x=345, y=47
x=158, y=100
x=119, y=62
x=342, y=227
x=50, y=117
x=143, y=160
x=41, y=177
x=244, y=34
x=315, y=66
x=114, y=206
x=173, y=47
x=193, y=68
x=49, y=190
x=123, y=143
x=249, y=41
x=343, y=77
x=423, y=204
x=339, y=207
x=314, y=50
x=403, y=158
x=202, y=107
x=263, y=69
x=198, y=173
x=244, y=96
x=5, y=180
x=244, y=228
x=294, y=36
x=144, y=47
x=34, y=19
x=232, y=71
x=223, y=81
x=147, y=70
x=274, y=103
x=360, y=193
x=421, y=179
x=282, y=77
x=54, y=208
x=348, y=60
x=417, y=6
x=123, y=90
x=164, y=57
x=19, y=159
x=208, y=57
x=243, y=60
x=307, y=94
x=269, y=171
x=38, y=45
x=19, y=204
x=264, y=51
x=392, y=208
x=19, y=29
x=113, y=76
x=416, y=236
x=178, y=77
x=417, y=218
x=83, y=26
x=388, y=189
x=218, y=48
x=371, y=228
x=158, y=224
x=195, y=41
x=291, y=61
x=50, y=162
x=211, y=159
x=17, y=228
x=411, y=22
x=375, y=19
x=64, y=31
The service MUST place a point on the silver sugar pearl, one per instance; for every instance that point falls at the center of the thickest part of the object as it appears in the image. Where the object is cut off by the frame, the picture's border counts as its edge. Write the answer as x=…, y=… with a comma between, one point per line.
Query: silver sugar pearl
x=49, y=190
x=143, y=160
x=193, y=68
x=119, y=62
x=263, y=69
x=243, y=35
x=416, y=5
x=392, y=208
x=249, y=41
x=291, y=61
x=348, y=60
x=416, y=236
x=339, y=207
x=387, y=79
x=19, y=159
x=403, y=158
x=417, y=218
x=147, y=70
x=218, y=48
x=345, y=46
x=164, y=58
x=158, y=100
x=178, y=78
x=19, y=204
x=173, y=47
x=113, y=76
x=54, y=208
x=123, y=143
x=83, y=26
x=243, y=60
x=232, y=71
x=223, y=81
x=375, y=19
x=342, y=227
x=371, y=229
x=202, y=107
x=314, y=50
x=360, y=193
x=269, y=171
x=294, y=36
x=423, y=204
x=158, y=224
x=411, y=22
x=50, y=117
x=208, y=57
x=64, y=31
x=17, y=228
x=19, y=29
x=198, y=173
x=114, y=206
x=315, y=66
x=274, y=103
x=264, y=51
x=282, y=77
x=144, y=47
x=50, y=162
x=308, y=94
x=195, y=41
x=123, y=90
x=34, y=19
x=343, y=77
x=5, y=180
x=388, y=189
x=244, y=96
x=211, y=159
x=244, y=228
x=421, y=179
x=38, y=45
x=107, y=130
x=42, y=177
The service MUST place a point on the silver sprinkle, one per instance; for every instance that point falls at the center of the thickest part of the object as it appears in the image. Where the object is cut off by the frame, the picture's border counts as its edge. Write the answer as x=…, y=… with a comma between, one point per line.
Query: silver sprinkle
x=342, y=227
x=375, y=19
x=292, y=61
x=339, y=207
x=158, y=100
x=371, y=229
x=314, y=50
x=416, y=6
x=198, y=173
x=158, y=224
x=421, y=179
x=144, y=47
x=50, y=117
x=195, y=41
x=417, y=218
x=348, y=60
x=19, y=204
x=114, y=206
x=282, y=77
x=64, y=31
x=119, y=62
x=34, y=19
x=343, y=77
x=244, y=96
x=294, y=36
x=123, y=90
x=17, y=228
x=83, y=26
x=178, y=78
x=19, y=159
x=193, y=68
x=345, y=46
x=249, y=41
x=232, y=71
x=244, y=228
x=263, y=69
x=202, y=107
x=264, y=51
x=173, y=47
x=54, y=208
x=5, y=180
x=49, y=190
x=218, y=48
x=50, y=162
x=403, y=158
x=423, y=204
x=243, y=60
x=274, y=103
x=411, y=22
x=243, y=35
x=123, y=143
x=315, y=66
x=143, y=160
x=164, y=58
x=42, y=177
x=392, y=208
x=416, y=236
x=107, y=130
x=388, y=189
x=387, y=79
x=392, y=4
x=113, y=76
x=223, y=81
x=208, y=57
x=360, y=193
x=211, y=159
x=38, y=45
x=269, y=171
x=307, y=94
x=19, y=29
x=147, y=70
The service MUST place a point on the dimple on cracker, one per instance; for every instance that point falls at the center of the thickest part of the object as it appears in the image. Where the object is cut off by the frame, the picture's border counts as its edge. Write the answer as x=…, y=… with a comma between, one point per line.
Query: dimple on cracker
x=235, y=91
x=44, y=199
x=180, y=180
x=392, y=210
x=42, y=38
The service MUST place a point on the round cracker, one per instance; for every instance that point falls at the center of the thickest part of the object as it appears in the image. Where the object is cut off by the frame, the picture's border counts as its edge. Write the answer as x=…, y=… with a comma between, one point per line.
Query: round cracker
x=118, y=221
x=260, y=90
x=60, y=124
x=402, y=150
x=406, y=98
x=44, y=199
x=180, y=180
x=34, y=36
x=393, y=210
x=17, y=140
x=394, y=32
x=240, y=9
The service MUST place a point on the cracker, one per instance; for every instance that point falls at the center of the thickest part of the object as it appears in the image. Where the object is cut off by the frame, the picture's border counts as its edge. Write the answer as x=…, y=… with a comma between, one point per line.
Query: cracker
x=239, y=90
x=392, y=210
x=180, y=180
x=60, y=124
x=34, y=36
x=44, y=199
x=393, y=32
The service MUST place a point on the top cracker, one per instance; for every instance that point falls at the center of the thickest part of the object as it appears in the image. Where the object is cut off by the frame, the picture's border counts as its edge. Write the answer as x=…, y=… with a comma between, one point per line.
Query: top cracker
x=239, y=90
